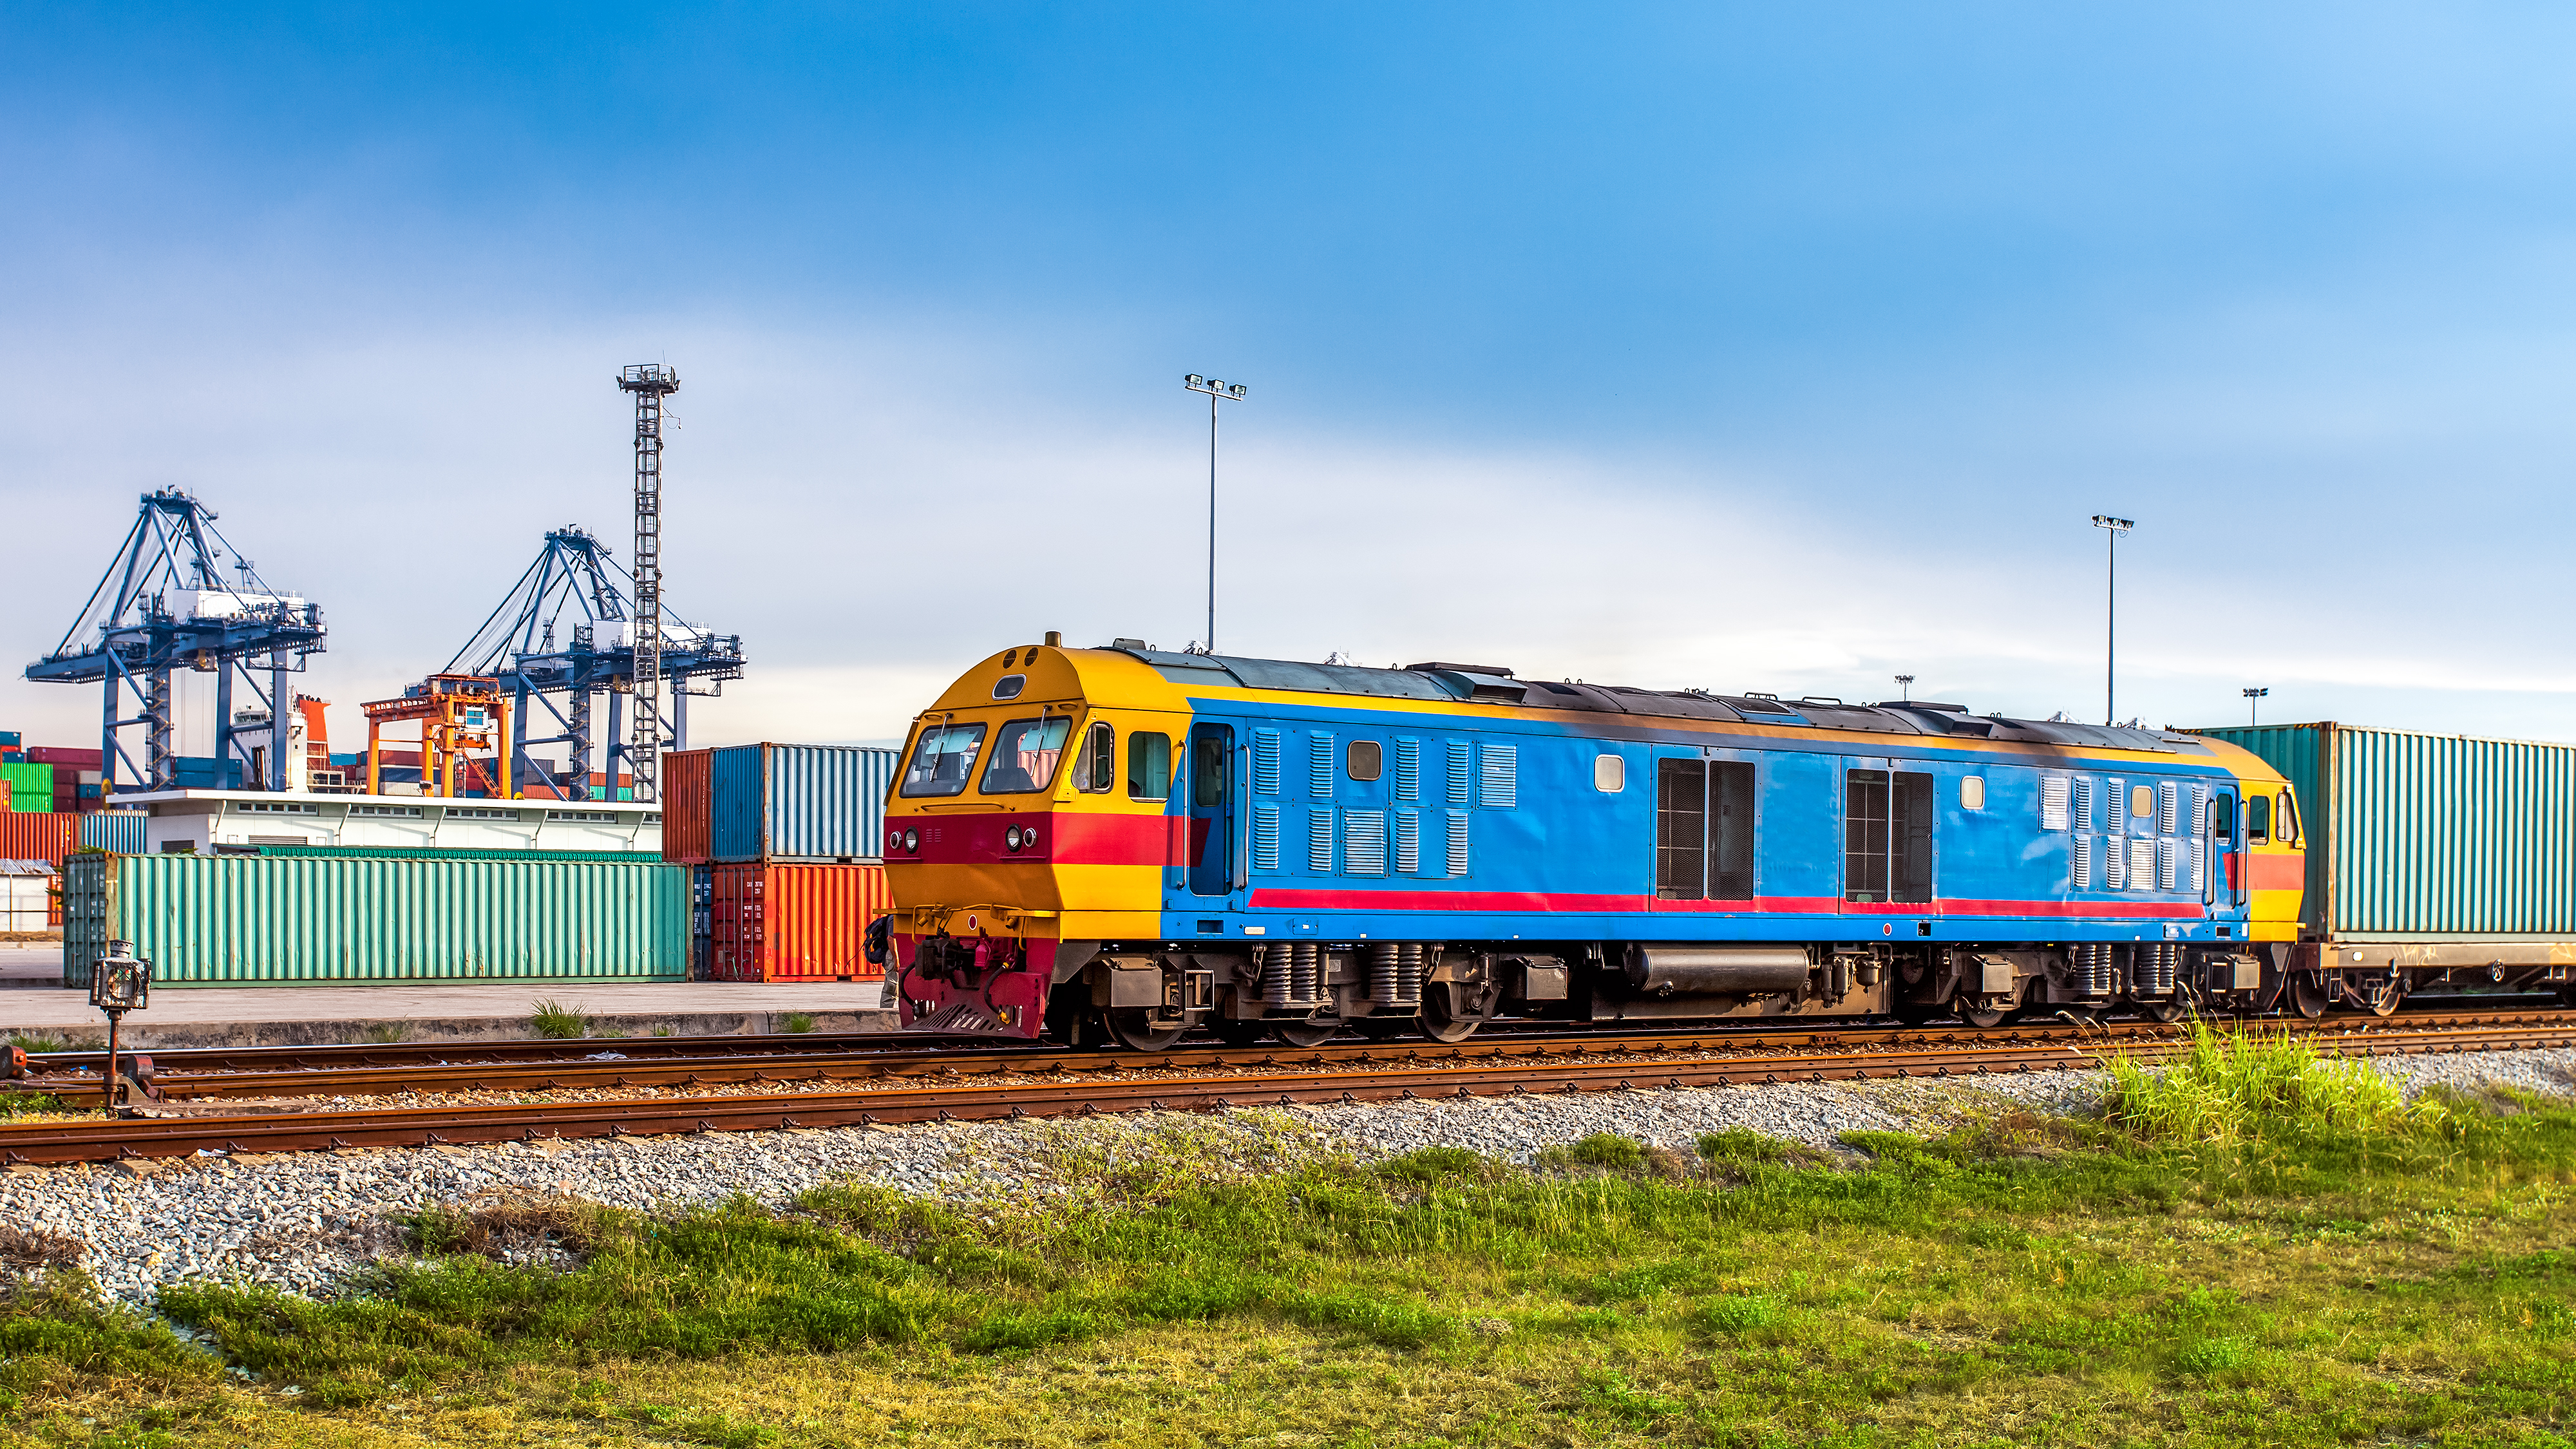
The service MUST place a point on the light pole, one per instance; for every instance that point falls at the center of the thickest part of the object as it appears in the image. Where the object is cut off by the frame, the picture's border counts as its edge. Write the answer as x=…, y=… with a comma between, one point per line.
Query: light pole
x=2111, y=614
x=2253, y=706
x=1218, y=390
x=1905, y=687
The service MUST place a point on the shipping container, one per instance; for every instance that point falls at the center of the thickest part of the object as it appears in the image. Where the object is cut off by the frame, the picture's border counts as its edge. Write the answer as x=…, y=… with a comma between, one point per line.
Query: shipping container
x=792, y=922
x=2428, y=838
x=217, y=920
x=46, y=836
x=797, y=802
x=420, y=852
x=27, y=901
x=31, y=788
x=66, y=759
x=685, y=806
x=117, y=830
x=9, y=739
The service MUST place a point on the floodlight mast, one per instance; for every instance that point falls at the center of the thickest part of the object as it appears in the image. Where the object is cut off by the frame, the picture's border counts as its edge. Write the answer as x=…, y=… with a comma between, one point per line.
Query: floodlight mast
x=2254, y=705
x=2111, y=616
x=1218, y=390
x=650, y=383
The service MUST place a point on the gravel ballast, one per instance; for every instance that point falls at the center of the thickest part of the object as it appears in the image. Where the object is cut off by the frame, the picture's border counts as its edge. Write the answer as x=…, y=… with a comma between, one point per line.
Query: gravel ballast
x=306, y=1221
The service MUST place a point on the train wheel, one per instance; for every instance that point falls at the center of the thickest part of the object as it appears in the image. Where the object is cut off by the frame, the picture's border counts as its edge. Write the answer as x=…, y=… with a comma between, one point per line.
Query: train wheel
x=1984, y=1017
x=1308, y=1033
x=2383, y=997
x=2173, y=1009
x=1441, y=1019
x=2308, y=995
x=1137, y=1031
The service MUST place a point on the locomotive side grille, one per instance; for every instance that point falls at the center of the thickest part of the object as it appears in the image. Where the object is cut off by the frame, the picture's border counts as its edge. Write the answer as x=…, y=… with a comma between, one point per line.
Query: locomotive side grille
x=1408, y=769
x=1462, y=779
x=2199, y=863
x=2142, y=865
x=2115, y=865
x=1319, y=841
x=1319, y=765
x=2053, y=791
x=1364, y=842
x=2082, y=857
x=2115, y=807
x=2168, y=808
x=1265, y=836
x=2199, y=809
x=2083, y=805
x=1502, y=774
x=1408, y=842
x=1265, y=762
x=1457, y=843
x=2168, y=862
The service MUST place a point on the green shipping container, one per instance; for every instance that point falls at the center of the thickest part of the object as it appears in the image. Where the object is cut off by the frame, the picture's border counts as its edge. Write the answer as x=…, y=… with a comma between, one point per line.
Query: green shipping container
x=2428, y=838
x=214, y=920
x=31, y=787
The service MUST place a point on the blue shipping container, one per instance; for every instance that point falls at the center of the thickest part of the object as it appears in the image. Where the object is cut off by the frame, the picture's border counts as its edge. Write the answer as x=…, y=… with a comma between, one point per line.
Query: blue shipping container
x=117, y=830
x=205, y=772
x=797, y=802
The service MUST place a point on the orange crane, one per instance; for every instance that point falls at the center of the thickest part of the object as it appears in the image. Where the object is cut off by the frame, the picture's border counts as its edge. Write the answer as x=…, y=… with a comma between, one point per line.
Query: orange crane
x=457, y=713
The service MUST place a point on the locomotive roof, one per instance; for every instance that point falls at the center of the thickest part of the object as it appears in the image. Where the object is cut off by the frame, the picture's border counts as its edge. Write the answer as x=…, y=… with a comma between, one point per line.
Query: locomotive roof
x=1494, y=684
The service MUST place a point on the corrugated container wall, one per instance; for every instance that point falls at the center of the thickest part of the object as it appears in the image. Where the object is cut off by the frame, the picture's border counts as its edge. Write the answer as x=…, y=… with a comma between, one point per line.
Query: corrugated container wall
x=685, y=806
x=210, y=920
x=117, y=830
x=31, y=788
x=2428, y=837
x=38, y=837
x=798, y=802
x=792, y=922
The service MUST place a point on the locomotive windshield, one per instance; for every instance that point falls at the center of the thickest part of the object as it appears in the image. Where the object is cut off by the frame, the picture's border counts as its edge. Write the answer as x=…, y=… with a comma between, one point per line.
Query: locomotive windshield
x=1024, y=755
x=944, y=760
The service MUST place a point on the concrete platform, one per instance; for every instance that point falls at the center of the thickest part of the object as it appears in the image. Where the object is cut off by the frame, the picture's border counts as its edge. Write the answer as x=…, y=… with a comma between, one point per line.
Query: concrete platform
x=311, y=1015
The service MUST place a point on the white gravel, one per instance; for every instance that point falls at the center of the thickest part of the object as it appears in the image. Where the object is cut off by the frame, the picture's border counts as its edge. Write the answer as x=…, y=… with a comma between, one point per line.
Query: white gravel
x=306, y=1221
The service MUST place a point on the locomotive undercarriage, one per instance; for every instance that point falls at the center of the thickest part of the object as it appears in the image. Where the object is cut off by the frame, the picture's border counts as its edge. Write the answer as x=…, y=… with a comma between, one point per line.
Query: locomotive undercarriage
x=1303, y=992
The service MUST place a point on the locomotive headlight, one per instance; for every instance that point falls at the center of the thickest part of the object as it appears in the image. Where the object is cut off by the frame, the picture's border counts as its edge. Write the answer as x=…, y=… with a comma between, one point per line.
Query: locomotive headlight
x=1011, y=838
x=912, y=842
x=1029, y=837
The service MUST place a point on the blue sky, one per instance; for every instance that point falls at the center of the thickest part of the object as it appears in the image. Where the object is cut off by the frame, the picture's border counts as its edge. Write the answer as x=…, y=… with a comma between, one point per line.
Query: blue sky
x=1734, y=346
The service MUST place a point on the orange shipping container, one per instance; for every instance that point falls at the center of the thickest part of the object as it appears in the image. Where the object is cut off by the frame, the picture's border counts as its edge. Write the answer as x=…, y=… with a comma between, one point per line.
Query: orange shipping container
x=793, y=922
x=686, y=807
x=38, y=835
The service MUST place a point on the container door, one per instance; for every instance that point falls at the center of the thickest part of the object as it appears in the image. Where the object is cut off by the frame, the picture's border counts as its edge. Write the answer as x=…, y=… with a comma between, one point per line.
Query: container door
x=2227, y=881
x=1211, y=849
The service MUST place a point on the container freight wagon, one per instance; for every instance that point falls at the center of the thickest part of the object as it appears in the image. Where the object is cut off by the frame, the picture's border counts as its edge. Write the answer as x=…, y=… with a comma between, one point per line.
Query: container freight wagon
x=782, y=803
x=2433, y=860
x=222, y=920
x=792, y=922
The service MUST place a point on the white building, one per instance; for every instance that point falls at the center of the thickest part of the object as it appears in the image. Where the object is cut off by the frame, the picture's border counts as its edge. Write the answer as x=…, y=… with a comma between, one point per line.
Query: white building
x=204, y=819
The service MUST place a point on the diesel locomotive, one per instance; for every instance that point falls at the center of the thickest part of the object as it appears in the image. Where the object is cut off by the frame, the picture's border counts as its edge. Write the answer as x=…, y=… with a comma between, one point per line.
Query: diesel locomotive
x=1121, y=844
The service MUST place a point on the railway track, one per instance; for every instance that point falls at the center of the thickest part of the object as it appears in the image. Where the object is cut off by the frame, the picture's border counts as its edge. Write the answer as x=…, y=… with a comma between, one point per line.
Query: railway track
x=1108, y=1084
x=468, y=1068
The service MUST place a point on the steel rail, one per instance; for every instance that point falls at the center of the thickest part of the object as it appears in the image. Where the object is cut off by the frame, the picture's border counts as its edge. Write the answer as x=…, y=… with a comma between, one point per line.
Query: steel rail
x=1820, y=1031
x=615, y=1071
x=102, y=1139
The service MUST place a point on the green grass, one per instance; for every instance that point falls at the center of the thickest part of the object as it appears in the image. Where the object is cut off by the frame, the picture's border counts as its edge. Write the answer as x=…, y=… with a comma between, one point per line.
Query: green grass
x=2330, y=1272
x=389, y=1033
x=37, y=1043
x=797, y=1023
x=14, y=1104
x=552, y=1018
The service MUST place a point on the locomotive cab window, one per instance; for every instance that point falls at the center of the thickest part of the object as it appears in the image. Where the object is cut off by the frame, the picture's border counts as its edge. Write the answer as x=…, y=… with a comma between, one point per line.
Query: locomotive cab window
x=1703, y=830
x=944, y=760
x=2222, y=815
x=2289, y=823
x=1149, y=766
x=1367, y=759
x=2258, y=819
x=1098, y=769
x=1887, y=836
x=1025, y=755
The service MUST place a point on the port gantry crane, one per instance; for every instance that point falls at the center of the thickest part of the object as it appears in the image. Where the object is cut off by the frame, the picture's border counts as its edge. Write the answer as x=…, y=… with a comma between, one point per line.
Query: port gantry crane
x=162, y=606
x=566, y=629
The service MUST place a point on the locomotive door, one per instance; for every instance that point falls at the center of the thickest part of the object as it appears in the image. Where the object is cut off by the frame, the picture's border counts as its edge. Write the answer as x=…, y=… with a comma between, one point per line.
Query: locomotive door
x=2227, y=882
x=1211, y=847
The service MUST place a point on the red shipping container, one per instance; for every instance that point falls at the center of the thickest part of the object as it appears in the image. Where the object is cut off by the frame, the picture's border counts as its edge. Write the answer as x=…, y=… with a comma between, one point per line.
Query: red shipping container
x=62, y=758
x=38, y=835
x=686, y=802
x=793, y=922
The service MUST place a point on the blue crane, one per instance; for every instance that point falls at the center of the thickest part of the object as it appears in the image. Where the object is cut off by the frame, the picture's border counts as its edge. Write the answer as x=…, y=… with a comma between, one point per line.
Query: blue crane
x=566, y=628
x=163, y=605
